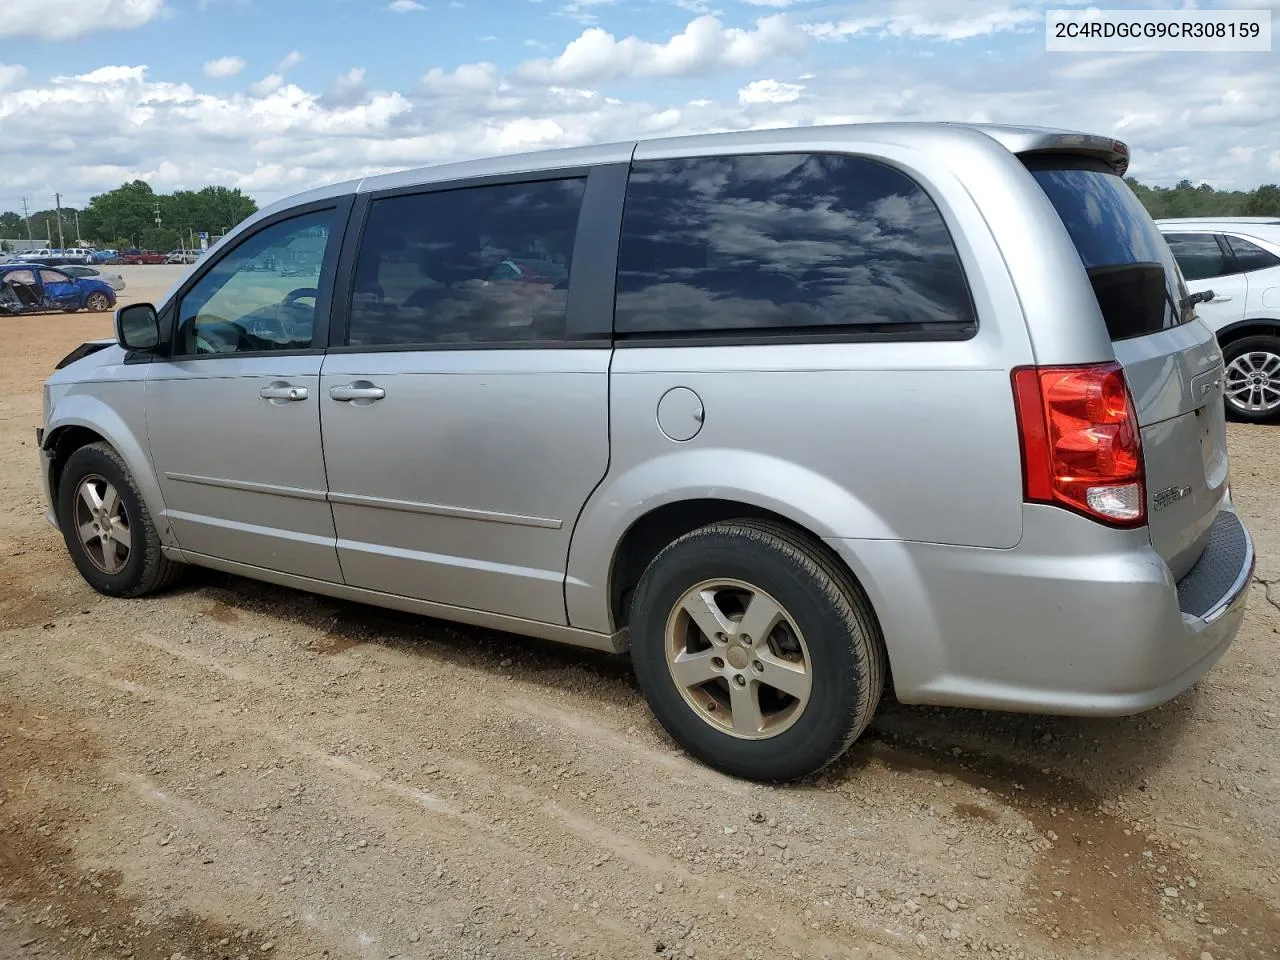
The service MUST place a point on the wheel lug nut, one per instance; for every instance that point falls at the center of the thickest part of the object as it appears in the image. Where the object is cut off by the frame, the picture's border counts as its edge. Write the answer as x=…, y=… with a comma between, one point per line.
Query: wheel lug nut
x=740, y=680
x=746, y=640
x=717, y=663
x=757, y=666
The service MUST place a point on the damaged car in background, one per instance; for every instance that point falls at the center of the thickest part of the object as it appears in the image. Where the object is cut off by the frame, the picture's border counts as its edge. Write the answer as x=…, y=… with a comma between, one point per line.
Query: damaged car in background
x=32, y=288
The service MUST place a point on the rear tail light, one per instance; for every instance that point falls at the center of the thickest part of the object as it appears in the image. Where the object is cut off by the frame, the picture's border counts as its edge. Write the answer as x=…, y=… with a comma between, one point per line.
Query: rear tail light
x=1081, y=448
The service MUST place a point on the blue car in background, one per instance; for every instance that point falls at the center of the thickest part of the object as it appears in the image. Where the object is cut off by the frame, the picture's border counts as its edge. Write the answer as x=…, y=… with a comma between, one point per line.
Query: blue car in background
x=36, y=288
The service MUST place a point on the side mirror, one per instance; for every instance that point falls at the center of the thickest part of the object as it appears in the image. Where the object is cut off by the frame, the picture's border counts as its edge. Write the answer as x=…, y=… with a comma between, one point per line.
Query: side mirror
x=138, y=327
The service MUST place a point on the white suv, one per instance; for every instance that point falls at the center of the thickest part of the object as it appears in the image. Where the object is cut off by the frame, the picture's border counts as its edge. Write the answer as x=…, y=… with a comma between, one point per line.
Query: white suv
x=1238, y=258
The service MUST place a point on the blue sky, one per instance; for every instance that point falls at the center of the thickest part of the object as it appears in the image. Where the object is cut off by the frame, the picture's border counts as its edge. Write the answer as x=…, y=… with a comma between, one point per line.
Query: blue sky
x=277, y=95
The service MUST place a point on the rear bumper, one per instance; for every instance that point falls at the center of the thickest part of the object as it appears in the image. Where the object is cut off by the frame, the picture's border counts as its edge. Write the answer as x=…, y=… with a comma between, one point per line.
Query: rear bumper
x=1077, y=619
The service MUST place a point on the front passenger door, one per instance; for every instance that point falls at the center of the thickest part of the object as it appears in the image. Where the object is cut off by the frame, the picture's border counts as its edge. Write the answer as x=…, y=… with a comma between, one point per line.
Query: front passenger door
x=60, y=290
x=232, y=414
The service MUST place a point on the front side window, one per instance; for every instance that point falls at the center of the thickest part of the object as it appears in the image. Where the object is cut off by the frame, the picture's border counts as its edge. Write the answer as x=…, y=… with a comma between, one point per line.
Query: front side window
x=784, y=243
x=261, y=295
x=1250, y=256
x=472, y=265
x=53, y=276
x=1199, y=255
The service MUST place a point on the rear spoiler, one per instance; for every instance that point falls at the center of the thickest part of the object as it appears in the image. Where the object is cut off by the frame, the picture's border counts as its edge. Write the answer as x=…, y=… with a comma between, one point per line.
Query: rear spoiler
x=1025, y=141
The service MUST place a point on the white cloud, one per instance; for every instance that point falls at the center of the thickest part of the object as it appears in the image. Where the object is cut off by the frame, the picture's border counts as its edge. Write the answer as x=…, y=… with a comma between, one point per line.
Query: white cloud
x=69, y=19
x=223, y=67
x=704, y=45
x=11, y=74
x=267, y=85
x=929, y=19
x=769, y=91
x=468, y=78
x=405, y=6
x=348, y=89
x=289, y=61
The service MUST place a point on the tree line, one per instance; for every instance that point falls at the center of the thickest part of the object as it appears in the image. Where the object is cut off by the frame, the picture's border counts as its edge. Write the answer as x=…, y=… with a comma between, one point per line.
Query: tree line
x=127, y=216
x=133, y=215
x=1188, y=200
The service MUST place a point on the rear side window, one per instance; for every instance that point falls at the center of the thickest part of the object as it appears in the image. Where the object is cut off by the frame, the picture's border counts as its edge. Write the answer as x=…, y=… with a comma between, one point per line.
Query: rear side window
x=473, y=265
x=1250, y=256
x=784, y=243
x=1133, y=273
x=1199, y=255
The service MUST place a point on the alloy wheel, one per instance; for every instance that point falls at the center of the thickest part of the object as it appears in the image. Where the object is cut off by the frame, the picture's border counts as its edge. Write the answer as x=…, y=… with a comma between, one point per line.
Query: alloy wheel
x=738, y=659
x=1253, y=382
x=102, y=524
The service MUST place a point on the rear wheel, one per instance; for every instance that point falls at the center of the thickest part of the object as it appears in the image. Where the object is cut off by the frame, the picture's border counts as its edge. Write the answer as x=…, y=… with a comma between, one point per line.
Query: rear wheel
x=1253, y=378
x=756, y=650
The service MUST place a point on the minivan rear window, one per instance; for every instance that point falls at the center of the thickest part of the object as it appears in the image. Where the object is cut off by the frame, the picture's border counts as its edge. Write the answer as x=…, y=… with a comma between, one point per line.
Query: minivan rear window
x=1134, y=275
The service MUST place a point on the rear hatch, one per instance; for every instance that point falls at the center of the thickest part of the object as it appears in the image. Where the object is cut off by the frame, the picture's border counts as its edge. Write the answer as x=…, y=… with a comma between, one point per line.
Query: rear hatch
x=1173, y=366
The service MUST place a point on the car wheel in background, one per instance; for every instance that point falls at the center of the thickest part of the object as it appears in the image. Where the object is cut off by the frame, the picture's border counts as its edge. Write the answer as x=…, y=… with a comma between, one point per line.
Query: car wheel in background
x=756, y=649
x=1252, y=389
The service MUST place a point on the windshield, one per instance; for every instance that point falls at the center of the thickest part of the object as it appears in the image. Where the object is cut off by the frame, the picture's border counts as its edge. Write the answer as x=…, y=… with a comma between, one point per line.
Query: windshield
x=1134, y=275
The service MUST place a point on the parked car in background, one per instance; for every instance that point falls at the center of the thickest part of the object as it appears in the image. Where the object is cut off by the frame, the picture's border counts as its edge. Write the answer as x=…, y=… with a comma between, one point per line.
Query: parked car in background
x=114, y=280
x=77, y=255
x=35, y=288
x=105, y=256
x=1238, y=258
x=136, y=257
x=775, y=411
x=183, y=256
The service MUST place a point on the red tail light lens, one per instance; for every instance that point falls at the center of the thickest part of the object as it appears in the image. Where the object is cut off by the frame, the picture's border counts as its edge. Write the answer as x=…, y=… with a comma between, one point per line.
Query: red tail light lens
x=1081, y=447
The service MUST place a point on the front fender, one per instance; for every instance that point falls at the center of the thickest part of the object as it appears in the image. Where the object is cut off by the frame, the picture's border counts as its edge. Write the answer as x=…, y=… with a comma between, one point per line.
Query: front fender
x=806, y=498
x=114, y=411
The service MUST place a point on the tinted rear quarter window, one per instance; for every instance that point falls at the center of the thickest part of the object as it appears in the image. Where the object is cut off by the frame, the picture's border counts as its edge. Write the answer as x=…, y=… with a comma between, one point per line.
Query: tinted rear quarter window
x=1134, y=275
x=785, y=243
x=1250, y=256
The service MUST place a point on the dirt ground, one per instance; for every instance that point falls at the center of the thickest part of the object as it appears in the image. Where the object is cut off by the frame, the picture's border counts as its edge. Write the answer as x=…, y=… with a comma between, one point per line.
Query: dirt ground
x=235, y=770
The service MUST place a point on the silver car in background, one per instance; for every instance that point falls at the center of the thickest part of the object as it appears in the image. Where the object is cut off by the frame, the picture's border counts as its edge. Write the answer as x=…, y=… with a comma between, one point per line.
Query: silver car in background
x=778, y=412
x=109, y=277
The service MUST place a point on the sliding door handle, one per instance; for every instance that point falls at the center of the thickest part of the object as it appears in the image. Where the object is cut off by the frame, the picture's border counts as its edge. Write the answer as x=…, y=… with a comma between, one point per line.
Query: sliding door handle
x=282, y=391
x=357, y=390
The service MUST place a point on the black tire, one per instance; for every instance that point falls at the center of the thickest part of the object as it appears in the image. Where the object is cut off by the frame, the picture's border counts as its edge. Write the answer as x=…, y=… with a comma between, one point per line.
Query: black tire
x=97, y=302
x=1256, y=344
x=145, y=569
x=847, y=660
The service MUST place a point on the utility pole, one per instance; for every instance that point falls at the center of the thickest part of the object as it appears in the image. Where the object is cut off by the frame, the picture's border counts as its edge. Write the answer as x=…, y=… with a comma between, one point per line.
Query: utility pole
x=27, y=217
x=57, y=204
x=79, y=242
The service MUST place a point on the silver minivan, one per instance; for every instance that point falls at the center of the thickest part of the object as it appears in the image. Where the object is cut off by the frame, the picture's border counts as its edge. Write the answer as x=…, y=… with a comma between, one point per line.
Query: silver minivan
x=780, y=412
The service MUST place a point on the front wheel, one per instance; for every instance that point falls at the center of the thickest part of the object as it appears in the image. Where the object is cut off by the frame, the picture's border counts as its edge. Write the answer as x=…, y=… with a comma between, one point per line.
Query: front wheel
x=1253, y=378
x=98, y=302
x=110, y=535
x=756, y=650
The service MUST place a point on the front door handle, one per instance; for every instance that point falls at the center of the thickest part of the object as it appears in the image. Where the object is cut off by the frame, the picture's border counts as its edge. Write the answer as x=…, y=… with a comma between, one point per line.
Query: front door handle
x=282, y=391
x=1219, y=299
x=357, y=390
